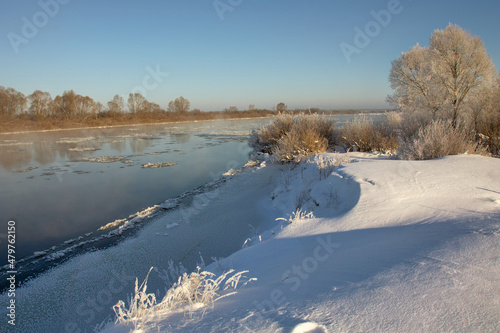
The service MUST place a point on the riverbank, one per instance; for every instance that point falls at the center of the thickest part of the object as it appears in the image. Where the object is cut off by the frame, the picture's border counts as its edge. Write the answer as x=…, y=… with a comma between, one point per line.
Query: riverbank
x=26, y=124
x=390, y=245
x=20, y=125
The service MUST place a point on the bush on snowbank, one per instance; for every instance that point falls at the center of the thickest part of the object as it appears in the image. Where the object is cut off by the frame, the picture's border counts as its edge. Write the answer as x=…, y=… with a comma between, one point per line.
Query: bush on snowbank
x=416, y=136
x=439, y=139
x=292, y=138
x=365, y=135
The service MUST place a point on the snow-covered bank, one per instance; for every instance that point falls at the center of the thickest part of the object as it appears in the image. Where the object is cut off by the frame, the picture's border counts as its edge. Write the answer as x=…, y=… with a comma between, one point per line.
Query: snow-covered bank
x=394, y=246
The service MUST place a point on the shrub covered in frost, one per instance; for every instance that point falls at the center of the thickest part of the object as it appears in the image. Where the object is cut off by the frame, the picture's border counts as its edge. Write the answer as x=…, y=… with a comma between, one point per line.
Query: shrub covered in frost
x=365, y=135
x=439, y=139
x=292, y=138
x=266, y=138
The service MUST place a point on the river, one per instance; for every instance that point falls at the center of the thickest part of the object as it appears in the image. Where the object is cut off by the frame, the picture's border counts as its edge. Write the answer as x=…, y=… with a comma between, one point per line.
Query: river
x=60, y=186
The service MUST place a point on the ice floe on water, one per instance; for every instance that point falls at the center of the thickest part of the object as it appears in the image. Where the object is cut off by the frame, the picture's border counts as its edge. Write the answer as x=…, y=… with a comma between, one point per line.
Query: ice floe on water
x=81, y=150
x=14, y=143
x=75, y=140
x=229, y=132
x=101, y=159
x=157, y=165
x=27, y=169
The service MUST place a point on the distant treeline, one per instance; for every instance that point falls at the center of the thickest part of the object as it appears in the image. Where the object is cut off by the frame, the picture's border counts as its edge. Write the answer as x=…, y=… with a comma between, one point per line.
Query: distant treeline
x=39, y=111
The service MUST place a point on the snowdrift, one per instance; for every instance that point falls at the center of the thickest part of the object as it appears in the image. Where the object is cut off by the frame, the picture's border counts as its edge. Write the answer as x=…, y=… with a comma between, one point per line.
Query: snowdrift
x=394, y=246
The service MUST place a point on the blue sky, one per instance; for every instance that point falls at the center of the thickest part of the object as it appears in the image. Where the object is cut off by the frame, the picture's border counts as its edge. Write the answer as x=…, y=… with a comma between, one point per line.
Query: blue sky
x=263, y=51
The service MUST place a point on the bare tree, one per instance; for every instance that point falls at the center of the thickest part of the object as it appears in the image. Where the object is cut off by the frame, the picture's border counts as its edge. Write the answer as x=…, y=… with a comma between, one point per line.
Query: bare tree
x=231, y=109
x=441, y=77
x=116, y=105
x=97, y=108
x=180, y=105
x=136, y=102
x=55, y=106
x=84, y=105
x=4, y=102
x=281, y=107
x=12, y=102
x=66, y=105
x=151, y=107
x=40, y=103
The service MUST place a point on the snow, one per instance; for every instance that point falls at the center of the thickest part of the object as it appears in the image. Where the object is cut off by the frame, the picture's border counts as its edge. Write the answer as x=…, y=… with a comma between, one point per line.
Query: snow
x=309, y=328
x=373, y=245
x=101, y=159
x=14, y=143
x=75, y=140
x=85, y=149
x=394, y=246
x=157, y=165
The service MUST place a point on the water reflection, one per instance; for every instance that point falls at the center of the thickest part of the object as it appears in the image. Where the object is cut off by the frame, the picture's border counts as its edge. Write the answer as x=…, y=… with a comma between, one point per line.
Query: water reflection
x=140, y=145
x=180, y=137
x=44, y=153
x=15, y=157
x=118, y=145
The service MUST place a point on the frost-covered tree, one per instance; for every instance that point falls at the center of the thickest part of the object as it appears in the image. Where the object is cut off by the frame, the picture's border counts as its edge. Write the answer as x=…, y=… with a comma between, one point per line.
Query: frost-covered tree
x=444, y=76
x=415, y=86
x=461, y=64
